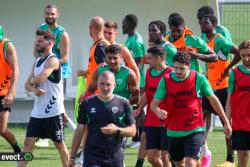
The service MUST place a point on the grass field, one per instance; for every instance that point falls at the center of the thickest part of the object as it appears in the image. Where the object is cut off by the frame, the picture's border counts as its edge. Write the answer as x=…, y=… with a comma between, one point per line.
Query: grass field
x=50, y=157
x=236, y=18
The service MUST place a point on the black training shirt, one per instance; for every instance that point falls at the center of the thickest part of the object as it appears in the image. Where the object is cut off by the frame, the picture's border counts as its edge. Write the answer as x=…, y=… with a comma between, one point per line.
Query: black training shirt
x=96, y=114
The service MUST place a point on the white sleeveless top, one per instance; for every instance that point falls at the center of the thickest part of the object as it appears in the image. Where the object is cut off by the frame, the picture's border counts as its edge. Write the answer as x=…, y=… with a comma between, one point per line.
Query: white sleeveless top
x=51, y=103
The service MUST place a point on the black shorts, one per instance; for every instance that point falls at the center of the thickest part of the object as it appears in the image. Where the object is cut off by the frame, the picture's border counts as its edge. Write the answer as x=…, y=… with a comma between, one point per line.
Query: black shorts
x=187, y=146
x=241, y=140
x=140, y=119
x=96, y=163
x=52, y=128
x=222, y=96
x=3, y=108
x=156, y=138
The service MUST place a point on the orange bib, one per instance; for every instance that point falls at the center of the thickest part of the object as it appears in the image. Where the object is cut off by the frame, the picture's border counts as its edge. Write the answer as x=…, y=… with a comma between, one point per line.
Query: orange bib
x=5, y=72
x=92, y=66
x=180, y=43
x=216, y=70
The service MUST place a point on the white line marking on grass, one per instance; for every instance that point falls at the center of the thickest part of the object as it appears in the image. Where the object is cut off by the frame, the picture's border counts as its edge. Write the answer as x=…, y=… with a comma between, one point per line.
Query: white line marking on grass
x=216, y=138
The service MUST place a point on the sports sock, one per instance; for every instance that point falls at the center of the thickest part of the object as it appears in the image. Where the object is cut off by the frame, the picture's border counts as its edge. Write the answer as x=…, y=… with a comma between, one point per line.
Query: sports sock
x=16, y=148
x=230, y=157
x=205, y=150
x=139, y=162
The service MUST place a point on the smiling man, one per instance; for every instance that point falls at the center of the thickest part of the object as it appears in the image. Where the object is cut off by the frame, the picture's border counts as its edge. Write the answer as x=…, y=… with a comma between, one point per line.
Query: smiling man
x=126, y=81
x=110, y=34
x=108, y=118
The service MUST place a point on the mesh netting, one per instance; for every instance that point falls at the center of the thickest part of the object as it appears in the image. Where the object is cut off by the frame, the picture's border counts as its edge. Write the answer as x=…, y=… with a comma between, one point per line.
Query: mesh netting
x=235, y=15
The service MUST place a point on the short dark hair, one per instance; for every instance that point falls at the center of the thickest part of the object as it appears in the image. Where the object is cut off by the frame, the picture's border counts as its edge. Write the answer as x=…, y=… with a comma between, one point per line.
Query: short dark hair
x=111, y=24
x=132, y=19
x=204, y=11
x=213, y=19
x=176, y=20
x=157, y=50
x=182, y=57
x=113, y=49
x=244, y=45
x=51, y=6
x=48, y=35
x=161, y=25
x=173, y=15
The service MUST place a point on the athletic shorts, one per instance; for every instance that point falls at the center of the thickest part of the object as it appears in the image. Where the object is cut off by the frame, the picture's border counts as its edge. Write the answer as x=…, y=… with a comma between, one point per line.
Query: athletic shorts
x=156, y=138
x=187, y=146
x=51, y=128
x=241, y=140
x=96, y=163
x=3, y=108
x=140, y=119
x=222, y=96
x=124, y=142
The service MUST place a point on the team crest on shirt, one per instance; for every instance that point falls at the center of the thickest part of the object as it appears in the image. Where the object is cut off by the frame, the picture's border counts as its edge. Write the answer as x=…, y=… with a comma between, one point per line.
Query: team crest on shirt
x=92, y=110
x=114, y=109
x=119, y=81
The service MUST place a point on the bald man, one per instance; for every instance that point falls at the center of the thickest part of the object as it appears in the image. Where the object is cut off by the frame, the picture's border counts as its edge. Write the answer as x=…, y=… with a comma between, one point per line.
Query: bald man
x=97, y=55
x=107, y=125
x=97, y=51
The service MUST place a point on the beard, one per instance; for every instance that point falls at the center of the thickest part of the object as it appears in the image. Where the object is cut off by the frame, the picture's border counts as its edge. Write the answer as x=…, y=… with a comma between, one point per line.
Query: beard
x=40, y=49
x=50, y=21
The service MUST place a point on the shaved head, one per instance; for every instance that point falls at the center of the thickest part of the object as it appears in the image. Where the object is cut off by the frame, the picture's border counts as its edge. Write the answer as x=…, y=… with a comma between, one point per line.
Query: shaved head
x=107, y=75
x=106, y=84
x=97, y=24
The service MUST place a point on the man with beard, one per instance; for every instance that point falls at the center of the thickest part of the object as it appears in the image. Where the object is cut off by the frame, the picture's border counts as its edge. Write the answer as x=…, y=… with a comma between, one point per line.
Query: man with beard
x=61, y=50
x=8, y=79
x=62, y=43
x=156, y=31
x=238, y=105
x=45, y=81
x=109, y=119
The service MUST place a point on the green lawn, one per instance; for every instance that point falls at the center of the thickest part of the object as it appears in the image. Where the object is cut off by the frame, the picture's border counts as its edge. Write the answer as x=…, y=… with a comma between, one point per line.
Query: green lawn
x=236, y=18
x=50, y=157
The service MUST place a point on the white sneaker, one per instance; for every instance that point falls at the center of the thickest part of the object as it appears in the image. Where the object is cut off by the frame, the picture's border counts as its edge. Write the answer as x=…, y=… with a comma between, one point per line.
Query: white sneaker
x=78, y=164
x=130, y=144
x=136, y=145
x=42, y=143
x=80, y=160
